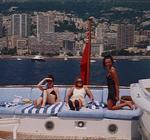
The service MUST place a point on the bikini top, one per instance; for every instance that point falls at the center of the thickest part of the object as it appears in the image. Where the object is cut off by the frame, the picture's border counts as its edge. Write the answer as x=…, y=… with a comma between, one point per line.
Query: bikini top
x=52, y=91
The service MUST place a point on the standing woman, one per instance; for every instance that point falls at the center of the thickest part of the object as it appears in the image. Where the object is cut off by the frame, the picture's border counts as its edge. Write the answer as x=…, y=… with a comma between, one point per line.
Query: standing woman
x=113, y=85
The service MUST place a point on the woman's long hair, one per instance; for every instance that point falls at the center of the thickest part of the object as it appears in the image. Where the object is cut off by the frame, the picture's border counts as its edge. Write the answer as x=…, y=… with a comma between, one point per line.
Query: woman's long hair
x=107, y=57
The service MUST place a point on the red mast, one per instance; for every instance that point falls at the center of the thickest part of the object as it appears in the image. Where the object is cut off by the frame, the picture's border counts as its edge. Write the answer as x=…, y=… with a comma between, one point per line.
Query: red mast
x=85, y=61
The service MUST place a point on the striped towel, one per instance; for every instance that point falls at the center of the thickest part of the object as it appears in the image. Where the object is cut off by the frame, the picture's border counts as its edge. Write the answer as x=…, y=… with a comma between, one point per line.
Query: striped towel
x=48, y=109
x=7, y=104
x=93, y=105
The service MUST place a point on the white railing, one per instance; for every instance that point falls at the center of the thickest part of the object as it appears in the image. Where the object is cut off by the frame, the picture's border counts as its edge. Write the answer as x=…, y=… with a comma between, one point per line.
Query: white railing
x=63, y=86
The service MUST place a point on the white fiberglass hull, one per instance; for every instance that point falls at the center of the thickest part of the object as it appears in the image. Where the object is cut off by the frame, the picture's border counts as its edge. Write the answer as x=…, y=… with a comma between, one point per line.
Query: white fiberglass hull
x=141, y=97
x=35, y=128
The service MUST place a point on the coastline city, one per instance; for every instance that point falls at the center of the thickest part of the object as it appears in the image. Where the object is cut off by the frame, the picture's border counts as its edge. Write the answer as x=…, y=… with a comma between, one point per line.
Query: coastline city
x=58, y=34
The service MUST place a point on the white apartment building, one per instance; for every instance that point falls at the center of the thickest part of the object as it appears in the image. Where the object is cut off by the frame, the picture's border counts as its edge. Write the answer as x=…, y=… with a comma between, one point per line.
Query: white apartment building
x=21, y=25
x=45, y=23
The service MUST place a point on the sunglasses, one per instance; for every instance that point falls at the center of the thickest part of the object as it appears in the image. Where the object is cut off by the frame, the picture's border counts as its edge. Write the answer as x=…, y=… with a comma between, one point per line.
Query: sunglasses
x=49, y=80
x=79, y=81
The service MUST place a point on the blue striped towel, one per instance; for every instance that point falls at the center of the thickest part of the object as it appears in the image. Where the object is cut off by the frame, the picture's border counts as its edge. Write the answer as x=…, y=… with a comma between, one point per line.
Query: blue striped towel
x=7, y=104
x=48, y=109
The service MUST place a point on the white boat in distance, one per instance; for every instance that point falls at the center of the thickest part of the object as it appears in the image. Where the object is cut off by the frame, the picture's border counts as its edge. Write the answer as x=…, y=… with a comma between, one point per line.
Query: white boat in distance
x=135, y=59
x=19, y=59
x=38, y=58
x=66, y=58
x=92, y=60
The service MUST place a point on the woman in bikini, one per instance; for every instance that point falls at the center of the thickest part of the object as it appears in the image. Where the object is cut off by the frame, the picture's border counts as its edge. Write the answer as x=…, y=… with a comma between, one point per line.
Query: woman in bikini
x=49, y=92
x=113, y=86
x=75, y=97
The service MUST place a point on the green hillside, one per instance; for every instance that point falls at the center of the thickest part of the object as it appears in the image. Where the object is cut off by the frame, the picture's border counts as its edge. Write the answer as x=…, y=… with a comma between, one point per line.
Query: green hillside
x=82, y=8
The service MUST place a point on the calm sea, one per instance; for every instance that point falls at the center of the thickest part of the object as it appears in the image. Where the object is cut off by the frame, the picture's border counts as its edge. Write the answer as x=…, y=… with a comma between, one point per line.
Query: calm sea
x=27, y=72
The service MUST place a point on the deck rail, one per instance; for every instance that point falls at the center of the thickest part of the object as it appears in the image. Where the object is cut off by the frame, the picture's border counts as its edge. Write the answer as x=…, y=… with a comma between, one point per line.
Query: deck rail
x=60, y=86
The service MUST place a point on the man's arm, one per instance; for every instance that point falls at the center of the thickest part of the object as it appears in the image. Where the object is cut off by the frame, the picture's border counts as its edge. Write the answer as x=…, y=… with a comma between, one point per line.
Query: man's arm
x=40, y=84
x=89, y=93
x=68, y=95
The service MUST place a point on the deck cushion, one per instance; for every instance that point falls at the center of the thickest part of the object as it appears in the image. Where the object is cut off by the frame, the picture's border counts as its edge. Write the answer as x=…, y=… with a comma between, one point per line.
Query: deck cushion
x=83, y=113
x=8, y=94
x=59, y=109
x=29, y=109
x=62, y=94
x=8, y=110
x=123, y=114
x=35, y=93
x=105, y=95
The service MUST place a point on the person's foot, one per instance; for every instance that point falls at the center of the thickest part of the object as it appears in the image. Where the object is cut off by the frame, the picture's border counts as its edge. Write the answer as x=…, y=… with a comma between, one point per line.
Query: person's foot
x=130, y=105
x=35, y=103
x=42, y=105
x=71, y=105
x=77, y=105
x=134, y=105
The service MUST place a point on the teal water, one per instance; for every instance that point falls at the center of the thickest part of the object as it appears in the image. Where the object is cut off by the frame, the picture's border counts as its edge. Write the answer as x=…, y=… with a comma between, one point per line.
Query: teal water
x=27, y=72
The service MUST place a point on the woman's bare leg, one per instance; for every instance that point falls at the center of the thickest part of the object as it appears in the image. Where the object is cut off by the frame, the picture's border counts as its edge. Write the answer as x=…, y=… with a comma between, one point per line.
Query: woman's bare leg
x=44, y=98
x=73, y=103
x=38, y=101
x=80, y=103
x=111, y=105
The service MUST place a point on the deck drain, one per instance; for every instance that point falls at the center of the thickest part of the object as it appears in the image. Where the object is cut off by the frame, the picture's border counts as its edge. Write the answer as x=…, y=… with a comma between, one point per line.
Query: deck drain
x=49, y=125
x=80, y=124
x=112, y=128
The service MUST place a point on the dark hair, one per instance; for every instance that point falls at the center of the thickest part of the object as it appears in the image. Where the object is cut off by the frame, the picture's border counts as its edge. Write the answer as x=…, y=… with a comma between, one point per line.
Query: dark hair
x=51, y=76
x=107, y=57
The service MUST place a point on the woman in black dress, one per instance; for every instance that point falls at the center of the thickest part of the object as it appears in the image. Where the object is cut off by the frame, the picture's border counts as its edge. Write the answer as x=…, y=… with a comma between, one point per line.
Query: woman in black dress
x=113, y=85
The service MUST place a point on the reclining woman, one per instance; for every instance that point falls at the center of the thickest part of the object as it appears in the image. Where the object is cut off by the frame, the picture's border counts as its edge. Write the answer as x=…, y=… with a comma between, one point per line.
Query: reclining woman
x=49, y=92
x=113, y=86
x=76, y=94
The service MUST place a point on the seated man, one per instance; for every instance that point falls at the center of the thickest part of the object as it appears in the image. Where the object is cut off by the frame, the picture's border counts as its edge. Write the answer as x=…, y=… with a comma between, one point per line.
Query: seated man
x=75, y=96
x=49, y=92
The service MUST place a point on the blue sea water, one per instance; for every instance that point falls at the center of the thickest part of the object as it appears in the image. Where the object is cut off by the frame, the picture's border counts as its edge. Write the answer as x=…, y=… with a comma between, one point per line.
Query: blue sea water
x=28, y=72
